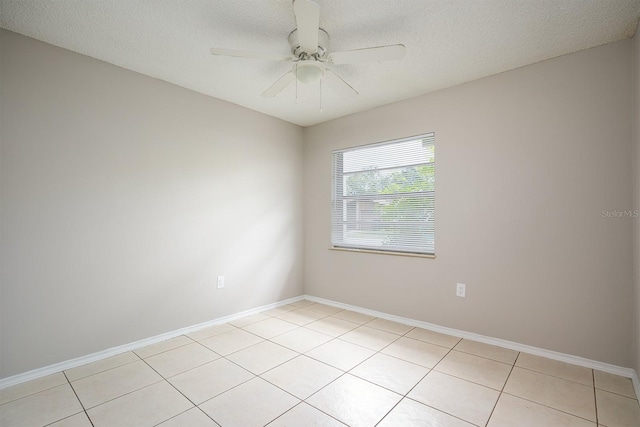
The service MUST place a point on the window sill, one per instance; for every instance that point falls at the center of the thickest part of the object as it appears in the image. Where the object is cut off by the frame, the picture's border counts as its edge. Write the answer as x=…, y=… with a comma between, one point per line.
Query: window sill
x=367, y=251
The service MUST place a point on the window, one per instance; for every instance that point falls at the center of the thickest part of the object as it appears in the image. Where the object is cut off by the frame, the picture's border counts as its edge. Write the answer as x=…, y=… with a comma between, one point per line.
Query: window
x=384, y=196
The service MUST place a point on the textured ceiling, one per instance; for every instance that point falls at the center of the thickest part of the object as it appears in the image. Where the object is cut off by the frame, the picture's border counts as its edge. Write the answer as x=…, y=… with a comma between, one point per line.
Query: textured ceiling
x=448, y=42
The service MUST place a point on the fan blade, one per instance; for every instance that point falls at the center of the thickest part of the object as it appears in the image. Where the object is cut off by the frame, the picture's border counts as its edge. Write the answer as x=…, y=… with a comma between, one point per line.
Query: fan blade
x=279, y=85
x=246, y=54
x=308, y=22
x=379, y=53
x=336, y=83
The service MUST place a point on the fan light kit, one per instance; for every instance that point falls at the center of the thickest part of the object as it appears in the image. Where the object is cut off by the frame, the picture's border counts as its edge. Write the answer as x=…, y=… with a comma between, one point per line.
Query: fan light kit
x=310, y=54
x=309, y=72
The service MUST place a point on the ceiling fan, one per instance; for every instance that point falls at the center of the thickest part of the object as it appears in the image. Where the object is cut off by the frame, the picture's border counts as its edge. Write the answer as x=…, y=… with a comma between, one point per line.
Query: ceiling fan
x=310, y=54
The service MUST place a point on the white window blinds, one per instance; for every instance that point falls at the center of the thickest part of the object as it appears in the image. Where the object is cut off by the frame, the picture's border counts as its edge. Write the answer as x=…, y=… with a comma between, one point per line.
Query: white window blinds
x=384, y=196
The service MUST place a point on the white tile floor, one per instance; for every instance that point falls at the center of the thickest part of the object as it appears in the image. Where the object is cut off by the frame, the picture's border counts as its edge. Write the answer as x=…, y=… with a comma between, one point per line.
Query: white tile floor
x=309, y=364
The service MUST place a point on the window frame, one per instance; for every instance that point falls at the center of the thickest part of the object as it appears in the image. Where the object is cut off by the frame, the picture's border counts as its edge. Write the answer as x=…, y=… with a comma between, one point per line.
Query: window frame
x=339, y=209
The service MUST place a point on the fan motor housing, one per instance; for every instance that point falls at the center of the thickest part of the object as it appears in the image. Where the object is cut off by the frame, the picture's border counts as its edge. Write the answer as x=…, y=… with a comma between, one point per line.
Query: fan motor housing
x=298, y=52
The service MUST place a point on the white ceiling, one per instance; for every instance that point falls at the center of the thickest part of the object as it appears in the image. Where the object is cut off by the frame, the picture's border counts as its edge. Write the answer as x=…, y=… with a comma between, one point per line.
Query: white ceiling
x=448, y=42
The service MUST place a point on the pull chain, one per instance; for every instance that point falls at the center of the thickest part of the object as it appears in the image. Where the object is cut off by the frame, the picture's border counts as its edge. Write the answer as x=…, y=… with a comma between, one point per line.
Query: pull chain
x=321, y=95
x=296, y=83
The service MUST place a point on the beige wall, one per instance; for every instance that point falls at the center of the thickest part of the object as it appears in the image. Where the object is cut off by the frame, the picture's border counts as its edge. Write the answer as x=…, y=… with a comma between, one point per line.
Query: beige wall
x=526, y=162
x=122, y=198
x=636, y=200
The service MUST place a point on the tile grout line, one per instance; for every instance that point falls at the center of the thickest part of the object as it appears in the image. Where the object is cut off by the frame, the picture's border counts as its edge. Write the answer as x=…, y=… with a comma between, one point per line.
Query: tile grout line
x=190, y=369
x=157, y=424
x=322, y=388
x=230, y=388
x=595, y=395
x=168, y=382
x=555, y=376
x=483, y=357
x=502, y=389
x=331, y=338
x=324, y=316
x=170, y=349
x=187, y=370
x=105, y=370
x=406, y=396
x=302, y=401
x=66, y=418
x=128, y=393
x=614, y=392
x=617, y=394
x=78, y=397
x=467, y=380
x=124, y=394
x=34, y=393
x=243, y=382
x=175, y=388
x=542, y=404
x=177, y=415
x=548, y=407
x=402, y=396
x=389, y=411
x=331, y=335
x=440, y=410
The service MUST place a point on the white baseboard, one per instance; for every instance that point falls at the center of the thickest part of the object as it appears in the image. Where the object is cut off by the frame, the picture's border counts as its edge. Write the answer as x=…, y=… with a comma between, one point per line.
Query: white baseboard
x=94, y=357
x=636, y=383
x=576, y=360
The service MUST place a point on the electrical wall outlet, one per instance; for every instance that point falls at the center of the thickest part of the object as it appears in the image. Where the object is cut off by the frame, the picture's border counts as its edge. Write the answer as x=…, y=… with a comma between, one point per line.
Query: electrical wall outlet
x=461, y=290
x=220, y=282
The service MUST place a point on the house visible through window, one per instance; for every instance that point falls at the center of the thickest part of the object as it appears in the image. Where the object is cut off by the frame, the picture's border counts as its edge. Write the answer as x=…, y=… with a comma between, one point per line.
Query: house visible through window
x=384, y=196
